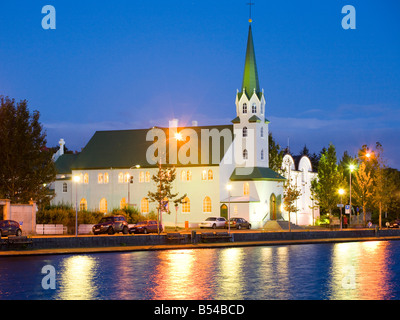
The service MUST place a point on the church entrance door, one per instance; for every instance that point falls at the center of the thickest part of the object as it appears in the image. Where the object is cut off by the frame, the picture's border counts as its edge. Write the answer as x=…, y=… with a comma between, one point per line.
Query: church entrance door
x=272, y=207
x=224, y=211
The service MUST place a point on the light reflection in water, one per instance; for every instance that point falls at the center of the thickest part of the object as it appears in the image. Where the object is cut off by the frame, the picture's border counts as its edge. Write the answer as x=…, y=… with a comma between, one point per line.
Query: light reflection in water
x=77, y=278
x=360, y=271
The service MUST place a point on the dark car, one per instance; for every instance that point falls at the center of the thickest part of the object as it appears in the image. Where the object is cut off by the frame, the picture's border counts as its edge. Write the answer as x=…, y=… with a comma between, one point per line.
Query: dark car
x=111, y=225
x=148, y=226
x=8, y=227
x=238, y=223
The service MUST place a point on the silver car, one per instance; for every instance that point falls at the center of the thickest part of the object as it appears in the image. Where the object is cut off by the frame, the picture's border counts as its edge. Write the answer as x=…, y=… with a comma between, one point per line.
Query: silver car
x=213, y=222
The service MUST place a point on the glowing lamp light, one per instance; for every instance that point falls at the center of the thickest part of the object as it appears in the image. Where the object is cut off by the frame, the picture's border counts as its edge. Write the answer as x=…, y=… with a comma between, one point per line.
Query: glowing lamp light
x=229, y=187
x=77, y=179
x=341, y=191
x=178, y=136
x=352, y=167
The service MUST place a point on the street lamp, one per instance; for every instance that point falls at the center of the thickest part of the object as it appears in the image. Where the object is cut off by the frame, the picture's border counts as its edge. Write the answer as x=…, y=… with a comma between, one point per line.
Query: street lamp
x=351, y=167
x=77, y=179
x=229, y=188
x=341, y=192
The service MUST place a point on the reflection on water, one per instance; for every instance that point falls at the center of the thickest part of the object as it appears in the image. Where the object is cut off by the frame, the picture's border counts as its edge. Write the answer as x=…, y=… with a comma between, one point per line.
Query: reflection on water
x=358, y=270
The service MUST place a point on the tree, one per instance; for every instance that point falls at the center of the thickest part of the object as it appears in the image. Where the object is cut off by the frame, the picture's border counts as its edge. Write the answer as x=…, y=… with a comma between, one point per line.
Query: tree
x=275, y=154
x=163, y=196
x=290, y=195
x=26, y=165
x=330, y=179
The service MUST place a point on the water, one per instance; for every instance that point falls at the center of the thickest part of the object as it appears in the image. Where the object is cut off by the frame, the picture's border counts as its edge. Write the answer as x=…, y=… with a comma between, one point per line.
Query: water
x=356, y=270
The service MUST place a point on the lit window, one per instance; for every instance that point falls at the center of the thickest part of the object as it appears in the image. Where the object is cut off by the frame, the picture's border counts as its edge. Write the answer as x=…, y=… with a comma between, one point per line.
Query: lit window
x=103, y=205
x=183, y=175
x=65, y=187
x=147, y=177
x=141, y=176
x=127, y=177
x=244, y=131
x=254, y=108
x=144, y=205
x=235, y=210
x=189, y=175
x=106, y=178
x=186, y=205
x=246, y=189
x=122, y=203
x=100, y=178
x=245, y=154
x=81, y=178
x=86, y=178
x=210, y=174
x=207, y=205
x=204, y=175
x=121, y=177
x=83, y=204
x=244, y=107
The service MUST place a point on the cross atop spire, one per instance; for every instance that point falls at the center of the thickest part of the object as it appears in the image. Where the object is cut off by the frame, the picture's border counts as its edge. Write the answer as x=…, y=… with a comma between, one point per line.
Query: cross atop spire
x=250, y=4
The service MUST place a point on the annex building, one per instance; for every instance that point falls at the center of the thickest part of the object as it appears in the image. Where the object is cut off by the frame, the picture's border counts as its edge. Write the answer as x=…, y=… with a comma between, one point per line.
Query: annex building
x=115, y=167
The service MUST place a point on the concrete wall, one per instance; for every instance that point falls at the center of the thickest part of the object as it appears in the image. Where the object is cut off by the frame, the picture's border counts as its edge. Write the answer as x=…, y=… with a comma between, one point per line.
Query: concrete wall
x=24, y=214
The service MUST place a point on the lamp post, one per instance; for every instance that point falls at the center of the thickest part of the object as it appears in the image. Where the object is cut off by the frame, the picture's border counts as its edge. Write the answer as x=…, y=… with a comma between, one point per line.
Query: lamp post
x=341, y=192
x=351, y=167
x=77, y=179
x=229, y=188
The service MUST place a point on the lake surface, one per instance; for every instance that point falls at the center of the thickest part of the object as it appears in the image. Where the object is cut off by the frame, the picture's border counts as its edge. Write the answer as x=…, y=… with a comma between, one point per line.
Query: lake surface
x=355, y=270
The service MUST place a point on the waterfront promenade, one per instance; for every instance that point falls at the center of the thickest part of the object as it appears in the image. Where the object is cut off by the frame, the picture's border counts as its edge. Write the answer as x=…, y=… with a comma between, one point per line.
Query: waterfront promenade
x=47, y=245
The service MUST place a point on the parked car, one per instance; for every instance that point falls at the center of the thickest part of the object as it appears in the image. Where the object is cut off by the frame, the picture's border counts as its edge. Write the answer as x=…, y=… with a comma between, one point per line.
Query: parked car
x=148, y=226
x=393, y=224
x=213, y=222
x=238, y=223
x=8, y=227
x=111, y=225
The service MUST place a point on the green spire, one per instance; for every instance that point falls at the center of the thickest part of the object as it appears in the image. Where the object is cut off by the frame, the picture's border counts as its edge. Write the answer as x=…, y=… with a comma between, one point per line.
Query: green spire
x=250, y=76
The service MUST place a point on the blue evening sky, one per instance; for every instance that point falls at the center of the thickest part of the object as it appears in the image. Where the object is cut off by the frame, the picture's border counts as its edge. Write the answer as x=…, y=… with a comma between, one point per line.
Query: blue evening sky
x=135, y=64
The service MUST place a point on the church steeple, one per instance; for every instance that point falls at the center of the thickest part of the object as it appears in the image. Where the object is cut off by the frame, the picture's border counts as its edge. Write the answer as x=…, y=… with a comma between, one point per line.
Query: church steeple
x=250, y=82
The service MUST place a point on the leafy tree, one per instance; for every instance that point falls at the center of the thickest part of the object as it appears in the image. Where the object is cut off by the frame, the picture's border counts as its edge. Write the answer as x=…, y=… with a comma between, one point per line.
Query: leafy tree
x=330, y=179
x=26, y=165
x=290, y=194
x=163, y=196
x=275, y=154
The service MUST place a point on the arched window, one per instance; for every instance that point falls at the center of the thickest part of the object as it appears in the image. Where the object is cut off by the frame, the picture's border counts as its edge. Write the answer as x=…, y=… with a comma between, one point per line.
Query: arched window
x=86, y=178
x=126, y=177
x=65, y=187
x=122, y=203
x=207, y=205
x=254, y=108
x=100, y=178
x=106, y=177
x=83, y=205
x=210, y=175
x=103, y=205
x=186, y=205
x=262, y=154
x=244, y=132
x=244, y=108
x=189, y=175
x=121, y=177
x=245, y=154
x=183, y=175
x=246, y=189
x=147, y=177
x=204, y=175
x=262, y=132
x=144, y=205
x=141, y=176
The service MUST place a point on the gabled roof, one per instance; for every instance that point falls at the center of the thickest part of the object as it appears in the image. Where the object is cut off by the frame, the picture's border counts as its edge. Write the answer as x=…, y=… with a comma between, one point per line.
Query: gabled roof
x=64, y=163
x=127, y=148
x=256, y=173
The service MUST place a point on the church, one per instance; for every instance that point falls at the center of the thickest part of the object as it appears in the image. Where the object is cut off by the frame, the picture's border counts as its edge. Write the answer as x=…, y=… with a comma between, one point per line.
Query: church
x=223, y=170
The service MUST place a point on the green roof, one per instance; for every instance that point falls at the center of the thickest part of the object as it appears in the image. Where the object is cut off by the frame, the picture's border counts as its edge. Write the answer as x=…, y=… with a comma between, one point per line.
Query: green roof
x=64, y=163
x=254, y=119
x=236, y=120
x=250, y=76
x=255, y=173
x=127, y=148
